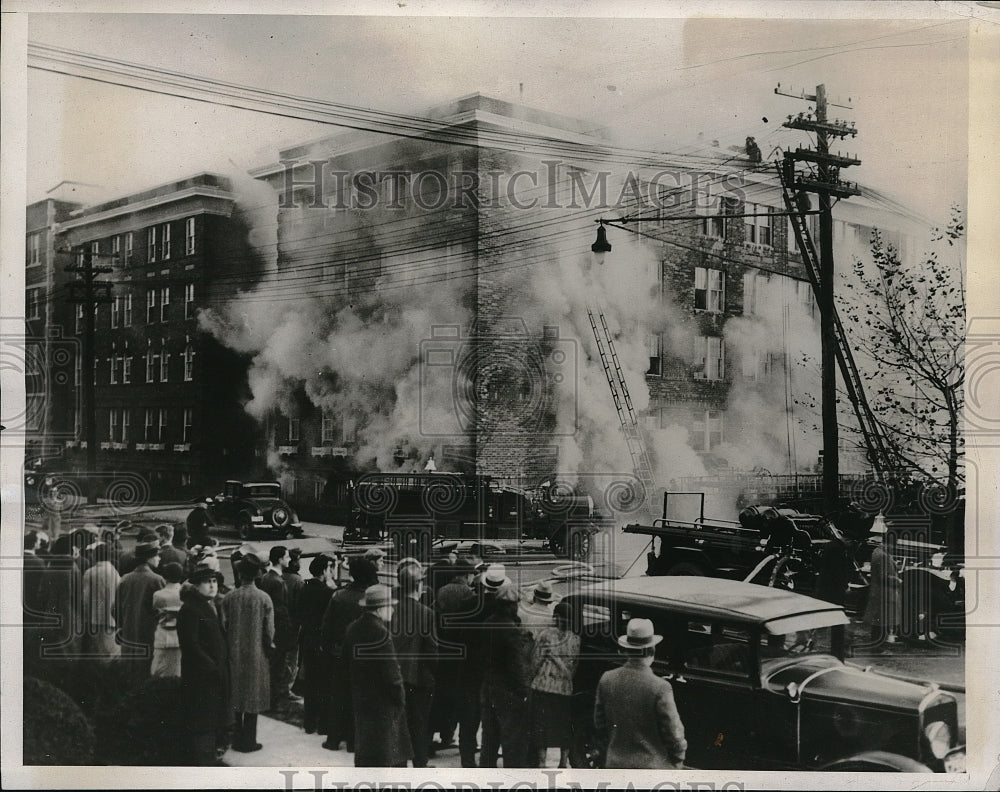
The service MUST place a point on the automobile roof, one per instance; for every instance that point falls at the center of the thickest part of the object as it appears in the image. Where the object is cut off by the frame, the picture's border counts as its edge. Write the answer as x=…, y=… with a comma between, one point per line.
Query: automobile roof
x=727, y=599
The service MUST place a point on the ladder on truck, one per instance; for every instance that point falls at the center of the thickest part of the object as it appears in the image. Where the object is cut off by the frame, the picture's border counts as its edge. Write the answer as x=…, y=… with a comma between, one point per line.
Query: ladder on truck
x=878, y=454
x=623, y=401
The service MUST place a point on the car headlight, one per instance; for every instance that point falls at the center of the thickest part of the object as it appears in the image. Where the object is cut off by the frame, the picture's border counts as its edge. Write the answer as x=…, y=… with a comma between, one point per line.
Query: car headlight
x=938, y=738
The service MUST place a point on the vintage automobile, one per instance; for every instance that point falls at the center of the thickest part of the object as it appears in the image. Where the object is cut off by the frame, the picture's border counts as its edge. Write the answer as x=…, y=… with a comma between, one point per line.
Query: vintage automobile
x=760, y=682
x=254, y=506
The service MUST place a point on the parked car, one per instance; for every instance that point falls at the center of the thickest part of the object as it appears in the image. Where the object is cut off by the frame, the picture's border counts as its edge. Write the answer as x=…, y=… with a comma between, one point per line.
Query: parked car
x=760, y=682
x=254, y=506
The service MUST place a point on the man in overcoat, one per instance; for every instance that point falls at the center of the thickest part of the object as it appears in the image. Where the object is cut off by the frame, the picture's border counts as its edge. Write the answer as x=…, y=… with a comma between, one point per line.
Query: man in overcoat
x=273, y=584
x=204, y=666
x=413, y=636
x=345, y=606
x=135, y=615
x=634, y=714
x=884, y=607
x=316, y=594
x=381, y=736
x=248, y=617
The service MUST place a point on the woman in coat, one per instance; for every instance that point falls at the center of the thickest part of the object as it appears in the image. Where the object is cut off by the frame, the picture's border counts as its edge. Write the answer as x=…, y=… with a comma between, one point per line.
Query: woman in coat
x=882, y=613
x=381, y=736
x=248, y=616
x=204, y=666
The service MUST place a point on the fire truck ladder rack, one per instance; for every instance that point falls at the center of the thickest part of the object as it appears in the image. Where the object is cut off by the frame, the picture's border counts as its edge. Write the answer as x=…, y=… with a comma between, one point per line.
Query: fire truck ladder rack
x=623, y=401
x=878, y=453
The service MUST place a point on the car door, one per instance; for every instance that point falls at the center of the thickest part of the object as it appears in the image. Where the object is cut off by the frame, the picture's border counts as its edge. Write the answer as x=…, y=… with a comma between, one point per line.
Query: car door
x=717, y=690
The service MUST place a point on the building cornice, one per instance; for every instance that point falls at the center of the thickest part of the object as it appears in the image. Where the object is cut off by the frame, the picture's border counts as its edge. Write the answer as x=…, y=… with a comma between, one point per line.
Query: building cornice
x=152, y=203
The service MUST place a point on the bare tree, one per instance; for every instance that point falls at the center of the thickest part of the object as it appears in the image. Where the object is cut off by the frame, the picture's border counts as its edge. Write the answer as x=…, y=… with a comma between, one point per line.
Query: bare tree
x=906, y=322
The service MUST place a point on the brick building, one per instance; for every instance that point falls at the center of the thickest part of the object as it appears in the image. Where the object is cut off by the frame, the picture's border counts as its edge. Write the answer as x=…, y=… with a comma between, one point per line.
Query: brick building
x=707, y=273
x=168, y=396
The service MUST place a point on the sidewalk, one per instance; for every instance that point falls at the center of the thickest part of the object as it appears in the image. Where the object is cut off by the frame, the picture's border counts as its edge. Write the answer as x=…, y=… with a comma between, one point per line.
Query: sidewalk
x=288, y=746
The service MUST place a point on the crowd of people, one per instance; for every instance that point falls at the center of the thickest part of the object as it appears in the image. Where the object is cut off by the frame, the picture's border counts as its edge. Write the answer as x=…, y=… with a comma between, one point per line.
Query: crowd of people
x=447, y=650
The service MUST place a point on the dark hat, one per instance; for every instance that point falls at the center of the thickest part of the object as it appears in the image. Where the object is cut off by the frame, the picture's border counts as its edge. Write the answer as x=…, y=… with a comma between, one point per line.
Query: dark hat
x=377, y=596
x=147, y=535
x=146, y=550
x=202, y=574
x=639, y=635
x=463, y=566
x=542, y=592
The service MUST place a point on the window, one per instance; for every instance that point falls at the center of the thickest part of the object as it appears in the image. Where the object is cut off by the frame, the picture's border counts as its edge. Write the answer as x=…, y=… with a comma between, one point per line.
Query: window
x=712, y=226
x=116, y=249
x=116, y=311
x=188, y=359
x=162, y=431
x=79, y=319
x=34, y=306
x=95, y=370
x=129, y=240
x=754, y=284
x=709, y=357
x=188, y=418
x=126, y=420
x=757, y=229
x=164, y=362
x=150, y=305
x=653, y=350
x=113, y=364
x=151, y=244
x=329, y=428
x=718, y=649
x=126, y=366
x=127, y=310
x=78, y=371
x=165, y=246
x=706, y=429
x=709, y=289
x=164, y=302
x=293, y=429
x=189, y=235
x=113, y=425
x=188, y=300
x=34, y=249
x=150, y=426
x=757, y=365
x=95, y=252
x=152, y=361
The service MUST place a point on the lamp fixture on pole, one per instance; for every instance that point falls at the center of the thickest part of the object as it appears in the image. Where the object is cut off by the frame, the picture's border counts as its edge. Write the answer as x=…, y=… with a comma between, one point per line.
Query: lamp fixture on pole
x=601, y=246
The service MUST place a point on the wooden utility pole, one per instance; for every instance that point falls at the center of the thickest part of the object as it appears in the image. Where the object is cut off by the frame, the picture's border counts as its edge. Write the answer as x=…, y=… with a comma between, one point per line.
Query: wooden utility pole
x=825, y=182
x=88, y=292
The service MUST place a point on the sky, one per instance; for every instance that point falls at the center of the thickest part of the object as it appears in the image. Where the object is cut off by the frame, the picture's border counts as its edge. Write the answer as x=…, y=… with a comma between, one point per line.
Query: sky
x=657, y=83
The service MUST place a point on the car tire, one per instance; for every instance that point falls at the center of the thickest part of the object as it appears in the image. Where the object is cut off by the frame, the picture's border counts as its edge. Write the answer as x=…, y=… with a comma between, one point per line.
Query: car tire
x=687, y=568
x=244, y=527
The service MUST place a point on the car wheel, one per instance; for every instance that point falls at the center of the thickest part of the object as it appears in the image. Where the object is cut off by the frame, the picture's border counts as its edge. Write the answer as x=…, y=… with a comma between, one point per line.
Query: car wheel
x=687, y=568
x=244, y=527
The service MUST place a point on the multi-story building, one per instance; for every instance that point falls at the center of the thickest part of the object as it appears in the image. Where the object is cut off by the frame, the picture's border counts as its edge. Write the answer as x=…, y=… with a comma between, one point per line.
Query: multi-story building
x=168, y=396
x=477, y=230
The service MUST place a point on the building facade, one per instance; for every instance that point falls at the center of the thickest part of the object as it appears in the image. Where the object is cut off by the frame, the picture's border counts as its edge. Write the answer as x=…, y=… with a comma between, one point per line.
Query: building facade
x=168, y=396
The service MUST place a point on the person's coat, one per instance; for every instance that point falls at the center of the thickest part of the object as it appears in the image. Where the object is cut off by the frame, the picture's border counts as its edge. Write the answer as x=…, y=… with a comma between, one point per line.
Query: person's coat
x=636, y=718
x=204, y=664
x=272, y=584
x=884, y=607
x=381, y=736
x=135, y=614
x=413, y=637
x=248, y=618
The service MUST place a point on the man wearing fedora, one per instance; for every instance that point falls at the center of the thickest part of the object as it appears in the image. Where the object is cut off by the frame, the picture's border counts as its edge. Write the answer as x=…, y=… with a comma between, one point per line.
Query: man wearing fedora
x=634, y=714
x=134, y=612
x=413, y=636
x=204, y=666
x=381, y=736
x=248, y=618
x=536, y=615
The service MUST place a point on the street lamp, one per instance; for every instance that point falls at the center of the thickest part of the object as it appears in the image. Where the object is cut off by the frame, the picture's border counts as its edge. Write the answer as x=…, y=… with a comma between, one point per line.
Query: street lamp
x=601, y=246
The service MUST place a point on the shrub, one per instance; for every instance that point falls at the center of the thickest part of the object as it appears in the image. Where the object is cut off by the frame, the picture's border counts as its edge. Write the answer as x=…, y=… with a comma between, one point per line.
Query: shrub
x=56, y=732
x=147, y=727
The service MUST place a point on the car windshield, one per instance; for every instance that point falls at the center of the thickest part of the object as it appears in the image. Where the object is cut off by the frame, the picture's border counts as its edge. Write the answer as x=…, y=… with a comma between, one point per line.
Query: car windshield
x=261, y=491
x=819, y=640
